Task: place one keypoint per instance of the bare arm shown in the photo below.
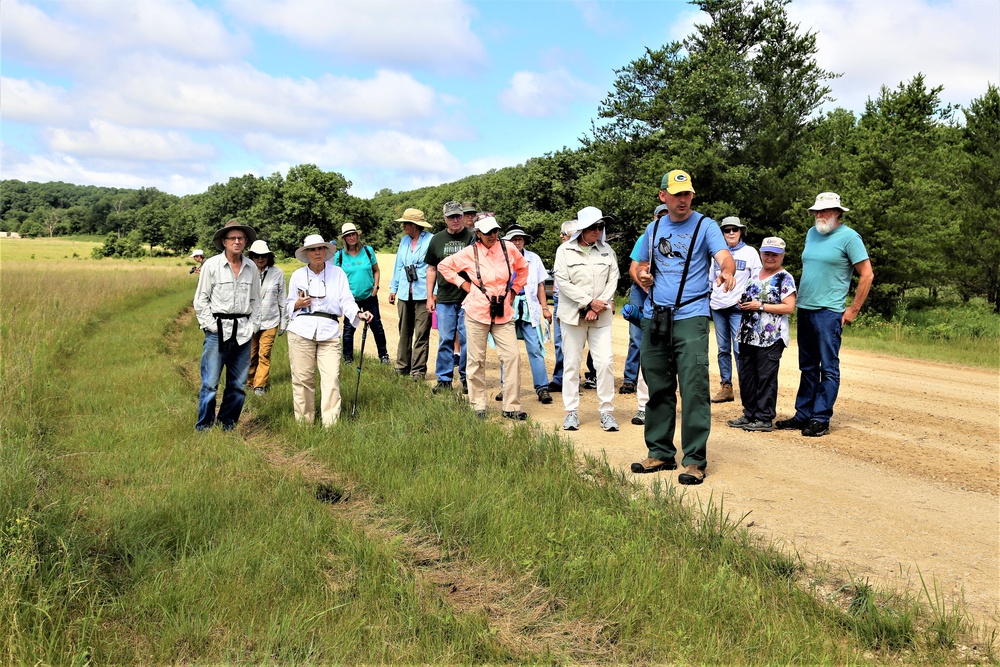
(865, 277)
(432, 275)
(727, 270)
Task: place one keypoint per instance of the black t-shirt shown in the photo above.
(444, 244)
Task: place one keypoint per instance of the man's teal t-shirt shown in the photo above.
(827, 266)
(359, 269)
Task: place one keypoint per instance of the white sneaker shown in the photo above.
(639, 418)
(608, 422)
(572, 421)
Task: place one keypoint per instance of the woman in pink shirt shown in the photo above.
(491, 272)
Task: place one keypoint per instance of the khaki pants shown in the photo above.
(260, 357)
(598, 339)
(304, 357)
(510, 360)
(414, 337)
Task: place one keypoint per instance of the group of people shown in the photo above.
(482, 288)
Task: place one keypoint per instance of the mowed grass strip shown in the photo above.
(143, 541)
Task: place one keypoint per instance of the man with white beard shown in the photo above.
(833, 252)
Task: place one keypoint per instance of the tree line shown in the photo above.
(735, 104)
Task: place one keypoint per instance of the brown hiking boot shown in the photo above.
(653, 465)
(725, 393)
(692, 475)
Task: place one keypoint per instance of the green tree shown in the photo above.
(976, 248)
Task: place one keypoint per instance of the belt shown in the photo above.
(326, 315)
(218, 325)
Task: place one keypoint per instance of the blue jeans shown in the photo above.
(236, 359)
(536, 356)
(378, 331)
(819, 364)
(636, 297)
(727, 337)
(450, 326)
(557, 370)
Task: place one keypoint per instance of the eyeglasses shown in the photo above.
(317, 285)
(241, 239)
(730, 230)
(598, 227)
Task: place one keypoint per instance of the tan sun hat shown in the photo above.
(415, 216)
(348, 228)
(230, 226)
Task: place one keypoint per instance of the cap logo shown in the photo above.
(680, 178)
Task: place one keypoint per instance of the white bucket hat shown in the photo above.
(197, 252)
(259, 248)
(314, 241)
(585, 217)
(825, 200)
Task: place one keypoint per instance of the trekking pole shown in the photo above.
(361, 360)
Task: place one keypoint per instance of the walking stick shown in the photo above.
(361, 360)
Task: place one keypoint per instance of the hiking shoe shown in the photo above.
(608, 422)
(418, 377)
(639, 418)
(555, 387)
(764, 426)
(481, 414)
(515, 414)
(442, 385)
(465, 386)
(499, 395)
(739, 422)
(589, 383)
(653, 465)
(692, 475)
(384, 359)
(572, 421)
(544, 397)
(259, 391)
(348, 359)
(628, 387)
(792, 424)
(725, 394)
(815, 429)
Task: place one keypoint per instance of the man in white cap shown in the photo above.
(833, 252)
(673, 269)
(198, 256)
(228, 306)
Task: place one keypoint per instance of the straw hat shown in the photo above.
(415, 216)
(314, 241)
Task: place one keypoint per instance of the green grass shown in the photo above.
(414, 533)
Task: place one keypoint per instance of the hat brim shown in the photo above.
(771, 248)
(581, 225)
(300, 254)
(814, 207)
(678, 189)
(513, 235)
(249, 232)
(419, 223)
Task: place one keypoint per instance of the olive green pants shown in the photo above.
(665, 364)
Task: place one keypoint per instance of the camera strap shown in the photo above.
(479, 277)
(687, 265)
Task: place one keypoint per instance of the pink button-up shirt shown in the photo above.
(493, 269)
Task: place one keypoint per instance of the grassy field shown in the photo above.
(414, 533)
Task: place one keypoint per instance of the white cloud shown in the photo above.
(34, 102)
(398, 33)
(87, 37)
(105, 140)
(388, 150)
(542, 94)
(953, 43)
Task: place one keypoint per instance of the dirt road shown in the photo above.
(906, 482)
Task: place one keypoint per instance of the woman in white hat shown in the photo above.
(198, 255)
(359, 263)
(587, 272)
(491, 272)
(272, 315)
(318, 296)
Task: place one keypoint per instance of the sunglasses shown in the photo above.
(598, 227)
(730, 230)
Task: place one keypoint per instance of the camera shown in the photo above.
(632, 313)
(411, 272)
(663, 322)
(193, 269)
(496, 306)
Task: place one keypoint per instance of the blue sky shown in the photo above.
(178, 95)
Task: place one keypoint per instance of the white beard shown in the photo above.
(824, 227)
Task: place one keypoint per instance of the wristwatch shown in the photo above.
(761, 309)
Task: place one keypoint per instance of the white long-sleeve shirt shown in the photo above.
(219, 291)
(337, 301)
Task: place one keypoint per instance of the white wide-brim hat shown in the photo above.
(314, 241)
(197, 252)
(585, 217)
(259, 247)
(825, 200)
